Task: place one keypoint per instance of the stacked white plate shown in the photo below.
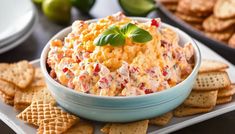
(17, 21)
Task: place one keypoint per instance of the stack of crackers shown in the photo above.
(23, 86)
(221, 24)
(171, 5)
(216, 18)
(50, 119)
(194, 12)
(212, 87)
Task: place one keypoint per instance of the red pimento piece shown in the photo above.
(97, 68)
(148, 91)
(142, 86)
(103, 80)
(164, 73)
(65, 69)
(154, 23)
(122, 86)
(78, 59)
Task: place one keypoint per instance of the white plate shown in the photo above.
(8, 114)
(15, 17)
(26, 33)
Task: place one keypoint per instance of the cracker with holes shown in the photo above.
(183, 111)
(81, 127)
(162, 120)
(6, 99)
(212, 65)
(211, 81)
(214, 24)
(24, 98)
(224, 9)
(7, 88)
(229, 91)
(201, 99)
(139, 127)
(223, 100)
(21, 74)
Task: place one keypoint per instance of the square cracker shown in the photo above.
(39, 111)
(212, 65)
(25, 98)
(201, 99)
(4, 66)
(20, 73)
(38, 79)
(183, 111)
(162, 120)
(211, 81)
(81, 127)
(8, 88)
(6, 99)
(223, 100)
(229, 91)
(54, 126)
(139, 127)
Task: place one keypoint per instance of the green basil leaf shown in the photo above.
(135, 33)
(140, 36)
(112, 36)
(128, 29)
(116, 39)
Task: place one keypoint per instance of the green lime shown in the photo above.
(83, 5)
(57, 10)
(39, 2)
(137, 7)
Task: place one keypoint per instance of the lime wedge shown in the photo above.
(137, 7)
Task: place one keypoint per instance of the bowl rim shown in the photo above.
(45, 51)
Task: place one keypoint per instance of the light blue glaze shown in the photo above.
(121, 109)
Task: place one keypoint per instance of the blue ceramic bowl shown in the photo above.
(121, 109)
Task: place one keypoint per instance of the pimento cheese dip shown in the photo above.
(128, 70)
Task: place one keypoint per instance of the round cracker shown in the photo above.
(214, 24)
(197, 26)
(188, 18)
(221, 36)
(197, 6)
(225, 9)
